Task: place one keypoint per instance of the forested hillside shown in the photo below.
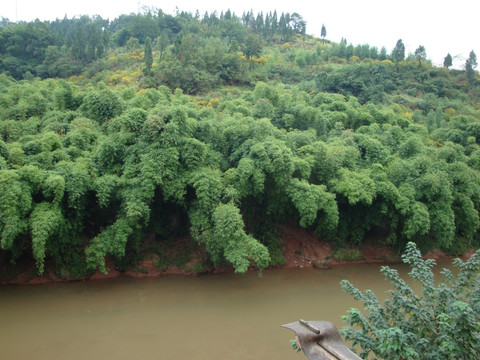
(220, 128)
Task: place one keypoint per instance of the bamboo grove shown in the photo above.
(230, 129)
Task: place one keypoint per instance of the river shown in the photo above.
(223, 316)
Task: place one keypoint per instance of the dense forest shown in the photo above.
(220, 128)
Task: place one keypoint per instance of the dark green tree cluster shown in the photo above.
(345, 51)
(271, 26)
(52, 49)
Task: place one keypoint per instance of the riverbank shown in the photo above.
(301, 249)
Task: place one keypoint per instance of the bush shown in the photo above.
(442, 322)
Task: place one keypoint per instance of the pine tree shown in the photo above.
(148, 56)
(470, 66)
(447, 62)
(162, 43)
(79, 45)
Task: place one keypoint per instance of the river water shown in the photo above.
(210, 317)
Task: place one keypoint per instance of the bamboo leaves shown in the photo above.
(309, 199)
(110, 162)
(45, 220)
(356, 187)
(230, 240)
(15, 204)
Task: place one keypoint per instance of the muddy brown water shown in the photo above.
(210, 317)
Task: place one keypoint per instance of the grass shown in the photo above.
(143, 270)
(163, 263)
(348, 254)
(198, 267)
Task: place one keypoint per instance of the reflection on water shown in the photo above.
(210, 317)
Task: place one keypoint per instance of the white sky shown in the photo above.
(442, 26)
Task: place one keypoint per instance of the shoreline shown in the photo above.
(156, 272)
(301, 249)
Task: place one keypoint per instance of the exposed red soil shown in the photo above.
(301, 249)
(301, 246)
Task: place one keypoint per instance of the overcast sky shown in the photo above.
(441, 26)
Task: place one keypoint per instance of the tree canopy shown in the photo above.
(220, 129)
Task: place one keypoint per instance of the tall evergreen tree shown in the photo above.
(398, 52)
(470, 66)
(282, 26)
(259, 23)
(383, 53)
(79, 45)
(323, 33)
(266, 28)
(93, 42)
(274, 22)
(148, 56)
(448, 61)
(162, 43)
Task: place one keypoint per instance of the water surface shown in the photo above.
(221, 317)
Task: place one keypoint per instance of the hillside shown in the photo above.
(122, 138)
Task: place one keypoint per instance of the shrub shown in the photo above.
(441, 322)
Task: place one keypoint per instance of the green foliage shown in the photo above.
(420, 54)
(101, 105)
(45, 221)
(398, 53)
(148, 56)
(356, 187)
(448, 61)
(348, 254)
(111, 241)
(295, 346)
(173, 123)
(54, 188)
(470, 65)
(323, 32)
(309, 199)
(230, 242)
(15, 204)
(441, 321)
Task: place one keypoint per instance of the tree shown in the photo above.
(94, 40)
(230, 242)
(441, 322)
(298, 25)
(323, 33)
(470, 66)
(448, 61)
(383, 53)
(79, 45)
(101, 105)
(162, 44)
(420, 54)
(253, 46)
(398, 52)
(148, 56)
